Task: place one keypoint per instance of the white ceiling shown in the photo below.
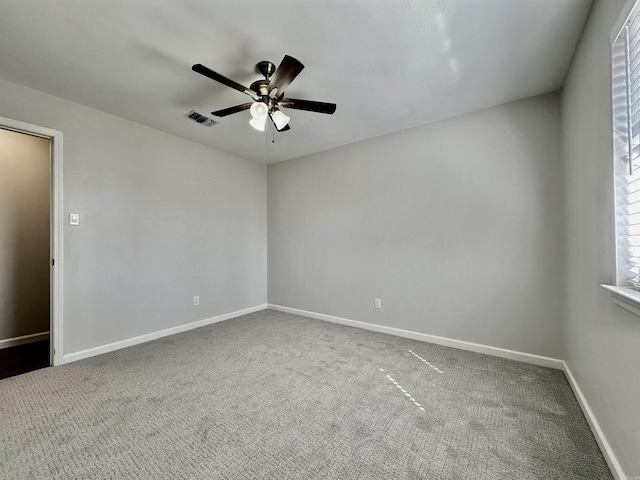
(389, 65)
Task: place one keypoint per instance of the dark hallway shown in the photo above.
(24, 358)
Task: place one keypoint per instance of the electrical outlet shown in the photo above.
(196, 300)
(377, 303)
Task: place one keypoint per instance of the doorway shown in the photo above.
(30, 247)
(25, 206)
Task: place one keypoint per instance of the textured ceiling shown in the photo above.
(389, 65)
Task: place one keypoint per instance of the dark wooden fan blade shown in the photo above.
(207, 72)
(288, 69)
(311, 106)
(228, 111)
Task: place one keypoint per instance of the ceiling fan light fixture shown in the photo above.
(280, 119)
(258, 123)
(259, 110)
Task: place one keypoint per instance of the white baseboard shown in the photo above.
(607, 452)
(34, 337)
(448, 342)
(91, 352)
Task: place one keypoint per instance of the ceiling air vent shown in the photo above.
(201, 119)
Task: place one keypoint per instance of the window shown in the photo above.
(625, 64)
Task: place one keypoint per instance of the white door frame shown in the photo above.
(57, 216)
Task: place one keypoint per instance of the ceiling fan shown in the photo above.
(268, 94)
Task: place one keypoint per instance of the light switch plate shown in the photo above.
(74, 219)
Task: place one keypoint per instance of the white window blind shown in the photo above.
(626, 123)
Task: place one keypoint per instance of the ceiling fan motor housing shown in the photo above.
(260, 87)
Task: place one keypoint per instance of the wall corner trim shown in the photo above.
(424, 337)
(147, 337)
(605, 448)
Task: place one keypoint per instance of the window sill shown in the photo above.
(625, 297)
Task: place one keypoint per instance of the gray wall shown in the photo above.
(24, 234)
(162, 219)
(455, 225)
(602, 340)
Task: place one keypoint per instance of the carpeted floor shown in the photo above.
(277, 396)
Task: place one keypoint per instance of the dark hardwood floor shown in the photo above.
(24, 358)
